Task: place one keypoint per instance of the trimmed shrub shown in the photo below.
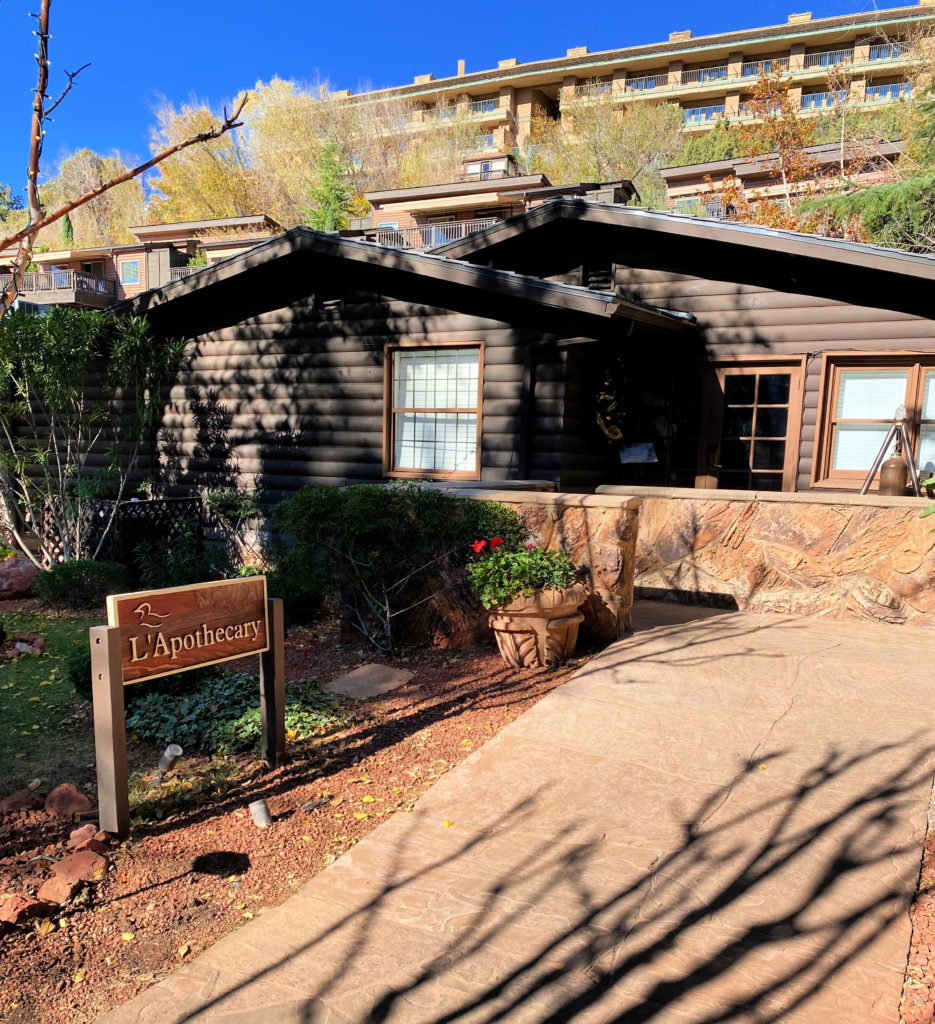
(382, 549)
(81, 584)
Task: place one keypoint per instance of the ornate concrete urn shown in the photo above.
(541, 630)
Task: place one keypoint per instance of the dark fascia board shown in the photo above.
(455, 188)
(826, 153)
(519, 288)
(793, 243)
(681, 49)
(179, 227)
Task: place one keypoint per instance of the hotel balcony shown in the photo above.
(65, 288)
(427, 236)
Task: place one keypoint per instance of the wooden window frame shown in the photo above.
(915, 363)
(389, 410)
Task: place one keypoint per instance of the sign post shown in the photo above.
(155, 633)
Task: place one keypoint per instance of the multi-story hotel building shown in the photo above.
(706, 76)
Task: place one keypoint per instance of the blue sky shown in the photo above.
(210, 50)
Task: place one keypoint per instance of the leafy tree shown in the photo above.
(9, 202)
(68, 232)
(722, 142)
(333, 193)
(597, 140)
(80, 392)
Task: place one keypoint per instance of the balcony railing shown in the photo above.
(829, 58)
(483, 106)
(699, 115)
(888, 51)
(484, 175)
(593, 90)
(177, 273)
(751, 68)
(645, 82)
(698, 76)
(427, 236)
(886, 93)
(63, 281)
(823, 100)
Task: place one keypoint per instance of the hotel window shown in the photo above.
(434, 411)
(129, 271)
(861, 396)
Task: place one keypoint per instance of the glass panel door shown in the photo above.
(753, 428)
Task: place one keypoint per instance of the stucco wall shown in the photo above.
(834, 555)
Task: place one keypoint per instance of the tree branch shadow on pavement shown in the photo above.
(755, 909)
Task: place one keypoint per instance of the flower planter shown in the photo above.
(541, 630)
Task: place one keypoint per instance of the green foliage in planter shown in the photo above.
(381, 549)
(504, 575)
(80, 584)
(221, 715)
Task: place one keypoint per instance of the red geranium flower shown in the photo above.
(495, 542)
(479, 546)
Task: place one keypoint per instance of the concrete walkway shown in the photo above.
(714, 820)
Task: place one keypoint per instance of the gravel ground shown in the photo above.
(180, 884)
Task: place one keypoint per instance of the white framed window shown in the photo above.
(129, 271)
(433, 412)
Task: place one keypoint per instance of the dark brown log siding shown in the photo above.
(743, 320)
(295, 396)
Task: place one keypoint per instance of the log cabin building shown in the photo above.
(578, 343)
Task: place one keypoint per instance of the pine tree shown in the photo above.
(333, 194)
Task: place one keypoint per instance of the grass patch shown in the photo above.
(35, 701)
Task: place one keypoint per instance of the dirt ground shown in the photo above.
(178, 885)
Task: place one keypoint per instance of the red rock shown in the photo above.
(66, 800)
(21, 800)
(86, 866)
(58, 889)
(79, 835)
(18, 909)
(17, 576)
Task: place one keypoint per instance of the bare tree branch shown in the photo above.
(37, 219)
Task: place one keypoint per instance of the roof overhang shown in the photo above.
(789, 261)
(286, 269)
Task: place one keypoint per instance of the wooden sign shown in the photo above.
(167, 631)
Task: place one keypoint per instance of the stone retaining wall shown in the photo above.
(835, 555)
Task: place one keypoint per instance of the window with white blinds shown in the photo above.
(861, 403)
(435, 409)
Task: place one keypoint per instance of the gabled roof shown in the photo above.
(574, 230)
(301, 262)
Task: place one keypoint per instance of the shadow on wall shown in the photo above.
(753, 902)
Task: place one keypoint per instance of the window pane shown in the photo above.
(926, 457)
(735, 454)
(870, 395)
(856, 445)
(733, 481)
(740, 389)
(437, 378)
(436, 441)
(771, 422)
(928, 399)
(738, 422)
(769, 454)
(767, 481)
(774, 389)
